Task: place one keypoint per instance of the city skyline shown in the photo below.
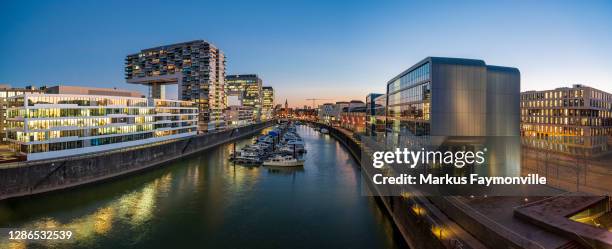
(344, 53)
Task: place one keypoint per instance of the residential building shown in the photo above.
(354, 119)
(336, 114)
(6, 91)
(198, 67)
(267, 111)
(248, 88)
(305, 113)
(41, 126)
(573, 120)
(453, 97)
(80, 90)
(239, 116)
(326, 112)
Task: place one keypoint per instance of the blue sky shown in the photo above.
(338, 50)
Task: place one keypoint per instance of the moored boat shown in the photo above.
(283, 161)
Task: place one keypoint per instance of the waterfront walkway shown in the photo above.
(491, 220)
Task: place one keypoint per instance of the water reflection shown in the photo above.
(285, 171)
(134, 209)
(206, 201)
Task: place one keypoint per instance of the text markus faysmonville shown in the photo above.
(414, 157)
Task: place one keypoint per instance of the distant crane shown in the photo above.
(313, 101)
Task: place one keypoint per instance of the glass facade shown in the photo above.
(575, 121)
(5, 93)
(376, 116)
(268, 103)
(248, 88)
(409, 102)
(39, 124)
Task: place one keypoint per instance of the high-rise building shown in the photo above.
(6, 91)
(268, 103)
(248, 88)
(198, 67)
(454, 97)
(576, 120)
(41, 126)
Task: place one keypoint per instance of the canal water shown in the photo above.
(204, 201)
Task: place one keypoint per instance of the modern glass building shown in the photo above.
(41, 126)
(6, 91)
(86, 90)
(375, 114)
(198, 67)
(248, 88)
(576, 120)
(267, 111)
(454, 97)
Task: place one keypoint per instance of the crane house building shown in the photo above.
(42, 126)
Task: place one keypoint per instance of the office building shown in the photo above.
(375, 114)
(248, 88)
(6, 91)
(41, 126)
(573, 120)
(80, 90)
(239, 116)
(198, 67)
(326, 112)
(267, 107)
(454, 97)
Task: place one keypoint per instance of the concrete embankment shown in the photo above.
(34, 177)
(454, 221)
(420, 222)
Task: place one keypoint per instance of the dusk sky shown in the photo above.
(307, 49)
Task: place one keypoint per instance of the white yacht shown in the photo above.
(283, 161)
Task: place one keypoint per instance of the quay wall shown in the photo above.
(35, 177)
(419, 229)
(437, 221)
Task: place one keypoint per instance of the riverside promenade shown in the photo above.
(459, 221)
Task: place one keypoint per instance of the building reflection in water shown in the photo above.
(134, 209)
(213, 203)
